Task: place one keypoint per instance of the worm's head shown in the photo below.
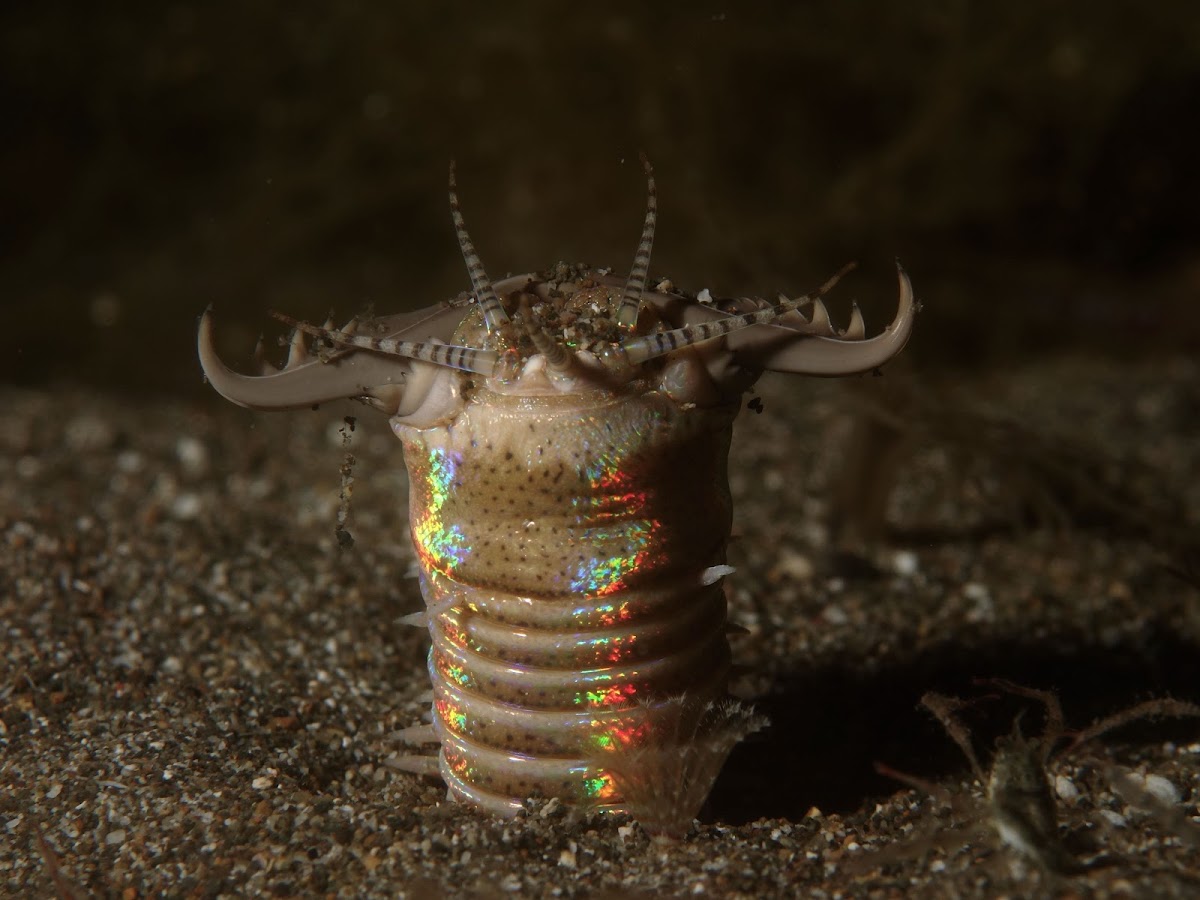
(568, 330)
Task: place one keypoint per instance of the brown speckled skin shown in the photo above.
(531, 657)
(541, 481)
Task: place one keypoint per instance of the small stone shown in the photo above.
(115, 837)
(88, 433)
(130, 462)
(192, 455)
(1158, 787)
(974, 590)
(186, 507)
(905, 563)
(835, 615)
(1065, 788)
(795, 565)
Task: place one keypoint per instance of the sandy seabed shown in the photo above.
(198, 687)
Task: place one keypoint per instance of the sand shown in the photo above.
(199, 686)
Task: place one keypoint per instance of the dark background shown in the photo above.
(1034, 165)
(169, 570)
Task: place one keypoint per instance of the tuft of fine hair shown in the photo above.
(664, 781)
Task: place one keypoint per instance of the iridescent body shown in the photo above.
(566, 436)
(563, 542)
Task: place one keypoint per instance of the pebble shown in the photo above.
(1158, 787)
(835, 615)
(192, 454)
(1065, 788)
(905, 563)
(226, 603)
(186, 507)
(794, 565)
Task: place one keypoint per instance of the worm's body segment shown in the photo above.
(563, 544)
(566, 440)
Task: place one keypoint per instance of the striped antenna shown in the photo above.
(639, 350)
(469, 359)
(493, 313)
(558, 358)
(631, 302)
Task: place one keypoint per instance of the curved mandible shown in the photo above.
(383, 381)
(778, 348)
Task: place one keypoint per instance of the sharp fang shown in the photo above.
(713, 574)
(820, 321)
(297, 351)
(418, 619)
(857, 329)
(260, 359)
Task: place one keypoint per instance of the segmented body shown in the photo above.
(563, 544)
(567, 452)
